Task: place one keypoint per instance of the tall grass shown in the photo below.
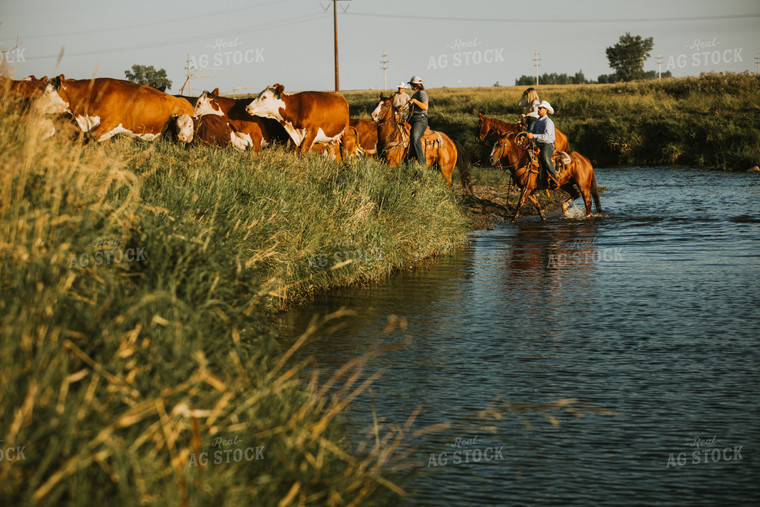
(709, 121)
(138, 284)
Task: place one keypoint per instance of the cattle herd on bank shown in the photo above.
(307, 121)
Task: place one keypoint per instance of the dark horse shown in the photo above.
(576, 177)
(393, 142)
(488, 125)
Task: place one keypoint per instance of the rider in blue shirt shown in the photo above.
(543, 135)
(418, 118)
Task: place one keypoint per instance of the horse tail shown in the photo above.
(595, 192)
(463, 165)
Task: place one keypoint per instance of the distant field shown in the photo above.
(709, 121)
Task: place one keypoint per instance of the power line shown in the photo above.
(173, 21)
(151, 45)
(558, 20)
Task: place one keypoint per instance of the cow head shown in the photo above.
(54, 98)
(185, 127)
(268, 103)
(207, 104)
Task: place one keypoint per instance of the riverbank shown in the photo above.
(706, 122)
(139, 360)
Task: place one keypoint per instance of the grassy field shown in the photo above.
(139, 283)
(709, 121)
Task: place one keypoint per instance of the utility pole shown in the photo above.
(659, 67)
(384, 61)
(757, 62)
(187, 79)
(536, 59)
(335, 35)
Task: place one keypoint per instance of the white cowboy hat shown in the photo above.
(546, 106)
(415, 80)
(401, 85)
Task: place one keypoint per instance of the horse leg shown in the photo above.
(535, 202)
(586, 192)
(521, 202)
(574, 194)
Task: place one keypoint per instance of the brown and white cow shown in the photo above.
(206, 130)
(105, 107)
(235, 110)
(308, 117)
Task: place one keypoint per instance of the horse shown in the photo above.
(393, 142)
(575, 171)
(487, 125)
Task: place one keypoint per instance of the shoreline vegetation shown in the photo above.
(139, 361)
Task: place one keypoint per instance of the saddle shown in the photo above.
(430, 139)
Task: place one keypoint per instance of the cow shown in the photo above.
(366, 130)
(105, 107)
(206, 130)
(269, 131)
(308, 117)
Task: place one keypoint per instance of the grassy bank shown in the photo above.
(139, 282)
(709, 121)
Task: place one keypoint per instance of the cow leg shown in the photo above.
(307, 142)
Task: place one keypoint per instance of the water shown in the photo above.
(649, 311)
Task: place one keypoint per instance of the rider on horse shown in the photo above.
(418, 117)
(543, 135)
(529, 101)
(400, 98)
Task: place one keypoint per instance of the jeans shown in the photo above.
(545, 159)
(530, 120)
(419, 125)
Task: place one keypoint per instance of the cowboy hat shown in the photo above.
(546, 106)
(401, 85)
(415, 80)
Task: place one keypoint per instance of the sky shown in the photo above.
(243, 46)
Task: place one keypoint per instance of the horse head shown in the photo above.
(501, 149)
(484, 126)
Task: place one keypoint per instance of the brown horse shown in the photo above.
(393, 141)
(488, 125)
(523, 165)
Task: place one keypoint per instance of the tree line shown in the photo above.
(626, 59)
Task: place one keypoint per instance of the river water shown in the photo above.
(646, 316)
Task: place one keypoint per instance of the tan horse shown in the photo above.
(393, 141)
(488, 125)
(576, 176)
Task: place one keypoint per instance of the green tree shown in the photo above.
(628, 55)
(148, 75)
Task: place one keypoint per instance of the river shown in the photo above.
(646, 317)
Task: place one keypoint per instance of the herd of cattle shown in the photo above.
(104, 107)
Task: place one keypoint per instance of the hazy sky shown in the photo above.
(247, 45)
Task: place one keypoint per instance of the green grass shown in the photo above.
(117, 375)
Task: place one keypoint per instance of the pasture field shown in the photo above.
(709, 121)
(138, 364)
